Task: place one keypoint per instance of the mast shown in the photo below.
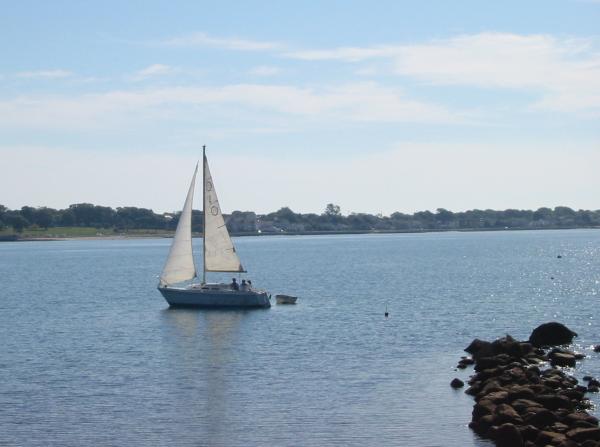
(204, 214)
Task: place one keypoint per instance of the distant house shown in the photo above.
(267, 226)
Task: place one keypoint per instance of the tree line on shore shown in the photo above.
(285, 220)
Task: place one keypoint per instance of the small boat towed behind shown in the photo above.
(286, 299)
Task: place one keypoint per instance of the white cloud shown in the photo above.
(344, 54)
(367, 102)
(44, 74)
(265, 70)
(229, 43)
(403, 178)
(563, 72)
(153, 71)
(367, 71)
(413, 177)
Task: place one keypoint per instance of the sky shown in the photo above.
(375, 106)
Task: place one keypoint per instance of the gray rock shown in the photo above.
(550, 438)
(551, 334)
(504, 413)
(480, 348)
(583, 434)
(542, 419)
(593, 382)
(554, 401)
(562, 359)
(457, 383)
(507, 435)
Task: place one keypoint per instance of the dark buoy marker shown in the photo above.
(559, 256)
(387, 314)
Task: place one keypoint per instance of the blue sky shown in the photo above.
(377, 106)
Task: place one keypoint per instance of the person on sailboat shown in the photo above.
(249, 284)
(244, 286)
(234, 285)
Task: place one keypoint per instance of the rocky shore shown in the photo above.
(523, 394)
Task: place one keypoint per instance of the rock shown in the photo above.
(505, 413)
(484, 363)
(554, 401)
(526, 348)
(507, 435)
(559, 427)
(464, 362)
(583, 434)
(551, 334)
(490, 387)
(457, 383)
(593, 382)
(482, 426)
(581, 416)
(553, 383)
(474, 389)
(550, 437)
(520, 392)
(562, 359)
(533, 374)
(573, 394)
(518, 404)
(542, 419)
(526, 406)
(597, 348)
(479, 348)
(588, 443)
(568, 443)
(515, 374)
(529, 432)
(483, 408)
(583, 424)
(593, 389)
(497, 397)
(507, 345)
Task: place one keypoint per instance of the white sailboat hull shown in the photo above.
(202, 297)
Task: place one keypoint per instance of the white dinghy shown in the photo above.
(286, 299)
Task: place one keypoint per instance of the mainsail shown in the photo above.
(180, 263)
(219, 252)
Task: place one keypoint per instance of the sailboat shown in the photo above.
(219, 255)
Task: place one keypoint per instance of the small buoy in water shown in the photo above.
(552, 277)
(386, 312)
(559, 256)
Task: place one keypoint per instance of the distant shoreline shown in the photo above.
(169, 235)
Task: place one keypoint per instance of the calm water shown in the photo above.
(91, 355)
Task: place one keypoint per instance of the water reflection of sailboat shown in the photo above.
(203, 345)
